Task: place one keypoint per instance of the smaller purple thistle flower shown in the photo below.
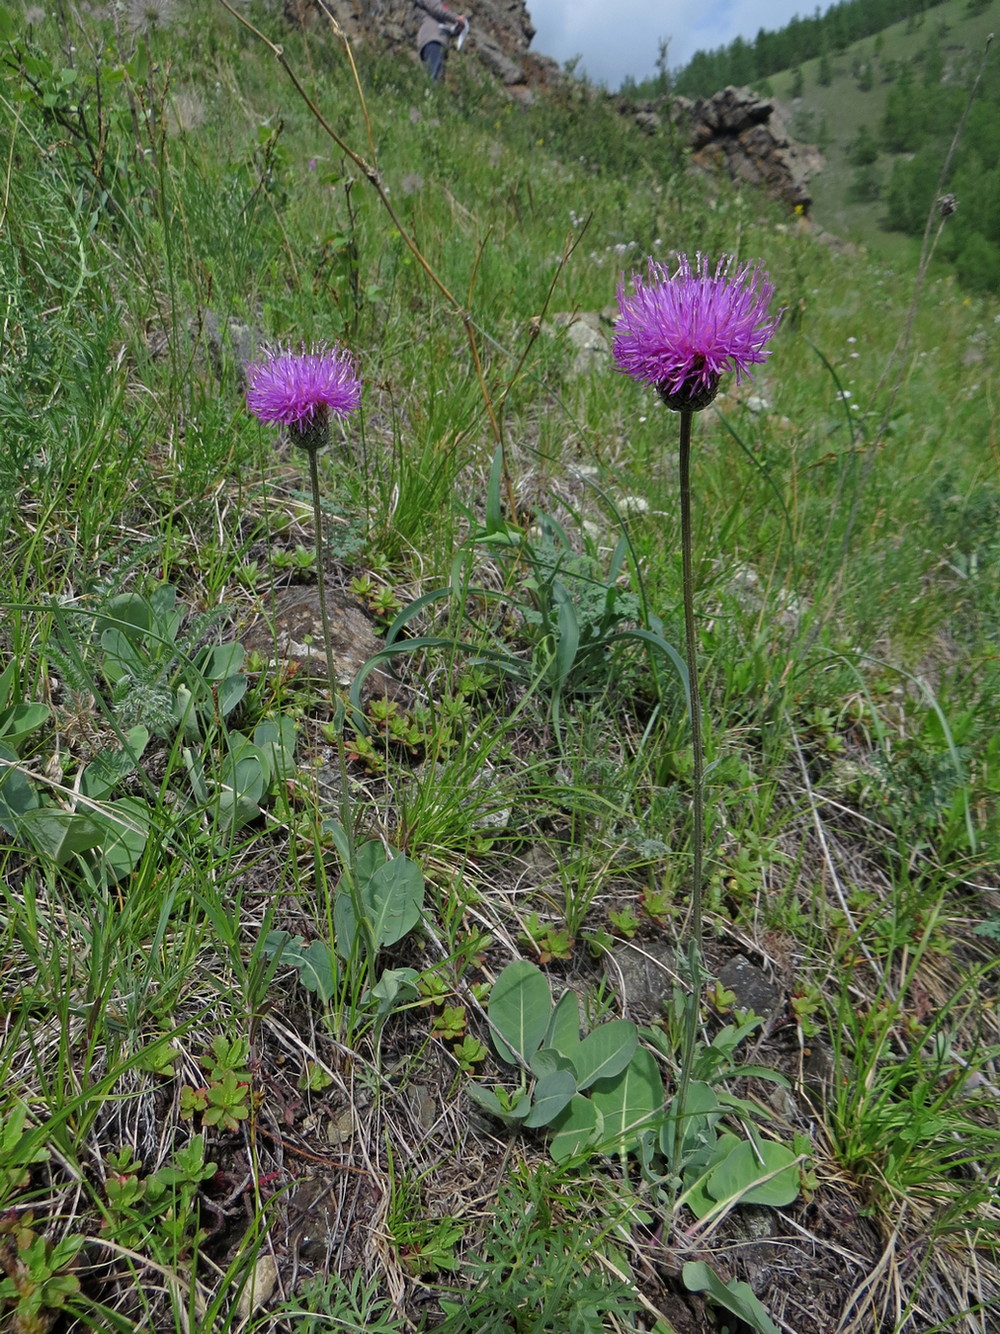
(301, 390)
(680, 333)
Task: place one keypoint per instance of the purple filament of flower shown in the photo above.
(680, 333)
(293, 387)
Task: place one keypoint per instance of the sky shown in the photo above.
(620, 37)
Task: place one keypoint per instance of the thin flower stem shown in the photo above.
(346, 815)
(331, 676)
(697, 790)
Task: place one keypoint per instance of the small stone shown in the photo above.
(295, 635)
(257, 1292)
(752, 988)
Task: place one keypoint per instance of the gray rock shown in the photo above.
(293, 633)
(751, 987)
(647, 972)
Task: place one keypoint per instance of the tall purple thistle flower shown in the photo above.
(680, 333)
(301, 390)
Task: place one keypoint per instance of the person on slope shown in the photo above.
(437, 28)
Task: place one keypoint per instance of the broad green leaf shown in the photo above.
(701, 1115)
(368, 858)
(128, 613)
(547, 1060)
(578, 1125)
(392, 896)
(230, 692)
(315, 961)
(549, 1096)
(58, 833)
(629, 1100)
(277, 738)
(8, 677)
(395, 896)
(699, 1167)
(563, 1031)
(735, 1297)
(489, 1102)
(121, 656)
(221, 661)
(605, 1052)
(125, 827)
(17, 796)
(568, 635)
(106, 770)
(519, 1007)
(743, 1176)
(20, 720)
(243, 784)
(395, 988)
(334, 830)
(162, 604)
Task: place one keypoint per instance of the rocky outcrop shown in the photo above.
(745, 135)
(735, 131)
(500, 33)
(741, 133)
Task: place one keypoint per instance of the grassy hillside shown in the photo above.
(860, 79)
(348, 979)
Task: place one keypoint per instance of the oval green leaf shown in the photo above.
(519, 1008)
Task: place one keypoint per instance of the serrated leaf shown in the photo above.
(605, 1052)
(519, 1007)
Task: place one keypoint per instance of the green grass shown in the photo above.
(169, 810)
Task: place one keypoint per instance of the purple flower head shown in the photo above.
(301, 389)
(680, 333)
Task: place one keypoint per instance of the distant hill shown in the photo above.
(829, 33)
(883, 108)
